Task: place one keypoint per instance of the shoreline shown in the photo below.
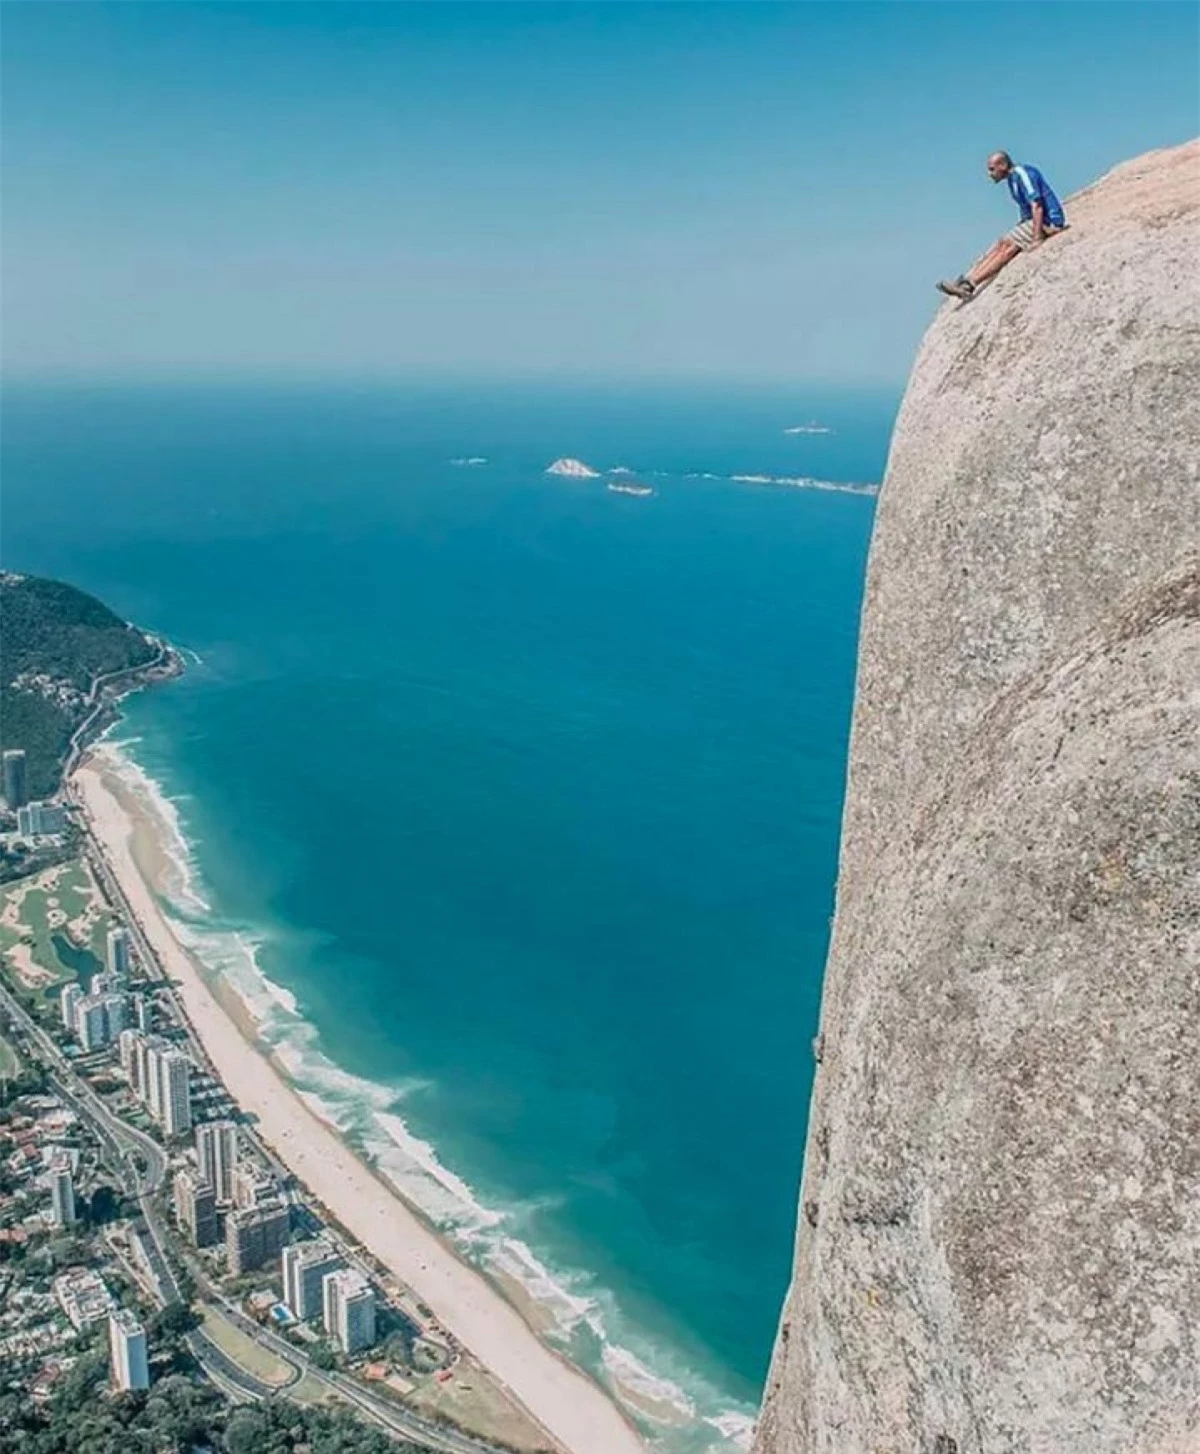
(557, 1395)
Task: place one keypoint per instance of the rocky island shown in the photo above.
(573, 469)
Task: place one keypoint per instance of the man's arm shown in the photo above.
(1038, 218)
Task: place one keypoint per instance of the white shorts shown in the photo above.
(1022, 234)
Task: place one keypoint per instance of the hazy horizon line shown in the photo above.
(384, 378)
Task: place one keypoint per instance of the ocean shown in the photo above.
(510, 803)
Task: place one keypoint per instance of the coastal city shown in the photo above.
(172, 1203)
(599, 750)
(141, 1215)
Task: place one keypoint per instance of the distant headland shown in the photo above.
(67, 660)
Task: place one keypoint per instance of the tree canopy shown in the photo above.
(52, 630)
(177, 1415)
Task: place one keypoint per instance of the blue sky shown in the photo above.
(738, 191)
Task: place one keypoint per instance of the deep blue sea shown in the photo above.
(511, 803)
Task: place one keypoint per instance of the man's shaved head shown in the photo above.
(999, 164)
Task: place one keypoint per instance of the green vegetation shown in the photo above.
(30, 1080)
(244, 1351)
(64, 639)
(45, 908)
(19, 860)
(309, 1391)
(10, 1061)
(177, 1413)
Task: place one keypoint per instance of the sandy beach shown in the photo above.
(561, 1398)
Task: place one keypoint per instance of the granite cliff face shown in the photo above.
(999, 1238)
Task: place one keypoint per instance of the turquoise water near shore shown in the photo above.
(510, 803)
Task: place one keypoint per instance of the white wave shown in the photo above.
(421, 1155)
(182, 885)
(805, 482)
(368, 1112)
(517, 1260)
(627, 1369)
(795, 482)
(282, 996)
(739, 1428)
(233, 954)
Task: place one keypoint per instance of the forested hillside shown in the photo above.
(54, 642)
(178, 1413)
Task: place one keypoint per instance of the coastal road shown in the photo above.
(570, 1408)
(125, 1144)
(234, 1381)
(113, 1131)
(380, 1410)
(122, 1143)
(96, 701)
(128, 1149)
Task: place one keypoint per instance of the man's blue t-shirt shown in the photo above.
(1028, 186)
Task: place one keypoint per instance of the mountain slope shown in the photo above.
(999, 1238)
(55, 641)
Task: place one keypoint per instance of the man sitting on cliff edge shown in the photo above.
(1041, 217)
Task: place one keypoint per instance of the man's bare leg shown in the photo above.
(996, 258)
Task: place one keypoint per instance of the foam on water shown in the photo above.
(739, 1428)
(585, 1318)
(181, 886)
(628, 1371)
(794, 482)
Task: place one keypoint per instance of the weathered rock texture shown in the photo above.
(999, 1239)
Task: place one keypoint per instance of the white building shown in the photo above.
(145, 1069)
(127, 1048)
(128, 1351)
(68, 1002)
(117, 946)
(217, 1156)
(253, 1186)
(62, 1192)
(83, 1297)
(349, 1308)
(143, 1013)
(91, 1022)
(155, 1051)
(304, 1267)
(196, 1207)
(39, 820)
(175, 1092)
(15, 793)
(164, 1083)
(116, 1011)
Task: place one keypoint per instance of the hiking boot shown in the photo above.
(959, 288)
